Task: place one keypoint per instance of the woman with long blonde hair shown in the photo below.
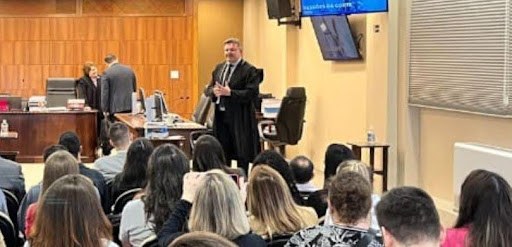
(273, 211)
(70, 214)
(215, 205)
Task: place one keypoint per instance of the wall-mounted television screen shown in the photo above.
(342, 7)
(335, 37)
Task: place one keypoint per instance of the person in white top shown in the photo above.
(69, 214)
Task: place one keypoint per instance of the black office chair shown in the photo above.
(123, 199)
(279, 240)
(287, 128)
(203, 115)
(9, 231)
(12, 206)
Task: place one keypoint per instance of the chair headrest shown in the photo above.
(260, 75)
(296, 92)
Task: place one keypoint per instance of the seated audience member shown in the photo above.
(278, 163)
(201, 239)
(485, 212)
(11, 178)
(71, 141)
(3, 204)
(303, 170)
(408, 217)
(272, 209)
(143, 218)
(35, 191)
(208, 154)
(135, 168)
(365, 170)
(215, 205)
(120, 139)
(350, 201)
(59, 164)
(2, 243)
(70, 214)
(334, 156)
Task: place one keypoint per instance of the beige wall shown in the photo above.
(217, 21)
(344, 98)
(427, 136)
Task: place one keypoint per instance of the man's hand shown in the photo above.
(220, 90)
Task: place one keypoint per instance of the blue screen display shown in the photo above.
(342, 7)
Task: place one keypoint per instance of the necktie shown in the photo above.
(227, 76)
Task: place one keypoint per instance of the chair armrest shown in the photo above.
(261, 125)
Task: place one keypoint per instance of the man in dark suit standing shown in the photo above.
(117, 84)
(234, 88)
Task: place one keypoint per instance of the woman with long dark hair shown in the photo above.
(485, 212)
(144, 217)
(208, 154)
(134, 169)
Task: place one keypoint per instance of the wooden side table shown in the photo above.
(358, 146)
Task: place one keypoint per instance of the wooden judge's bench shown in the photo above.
(38, 130)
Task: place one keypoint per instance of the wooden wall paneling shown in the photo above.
(9, 77)
(157, 28)
(39, 29)
(58, 52)
(181, 93)
(90, 52)
(8, 28)
(108, 47)
(37, 52)
(176, 28)
(85, 28)
(62, 29)
(63, 71)
(109, 28)
(20, 52)
(132, 52)
(6, 52)
(133, 28)
(157, 53)
(34, 78)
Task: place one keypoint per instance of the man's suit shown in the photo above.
(117, 84)
(236, 126)
(11, 177)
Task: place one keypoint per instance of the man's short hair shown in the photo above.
(409, 215)
(350, 197)
(119, 134)
(71, 141)
(52, 149)
(109, 58)
(302, 169)
(233, 41)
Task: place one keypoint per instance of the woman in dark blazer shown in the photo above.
(88, 86)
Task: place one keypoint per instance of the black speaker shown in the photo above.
(278, 9)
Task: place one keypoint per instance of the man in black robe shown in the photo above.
(234, 88)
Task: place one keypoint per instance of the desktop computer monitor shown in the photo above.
(142, 99)
(159, 112)
(165, 109)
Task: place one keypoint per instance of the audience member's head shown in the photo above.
(270, 202)
(52, 149)
(135, 167)
(110, 58)
(59, 164)
(278, 163)
(408, 217)
(72, 143)
(350, 199)
(486, 205)
(302, 169)
(167, 166)
(208, 154)
(218, 207)
(356, 166)
(334, 156)
(201, 239)
(119, 135)
(70, 214)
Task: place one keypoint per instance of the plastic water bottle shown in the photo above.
(370, 135)
(4, 130)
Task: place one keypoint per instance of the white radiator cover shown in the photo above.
(471, 156)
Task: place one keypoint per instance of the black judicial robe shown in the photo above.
(239, 108)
